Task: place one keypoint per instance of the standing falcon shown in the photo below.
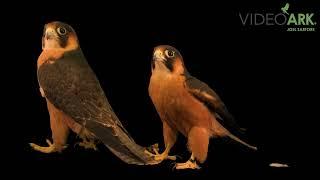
(187, 105)
(76, 101)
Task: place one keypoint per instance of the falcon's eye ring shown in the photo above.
(169, 53)
(62, 31)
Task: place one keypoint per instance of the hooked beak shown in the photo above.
(50, 38)
(50, 34)
(158, 56)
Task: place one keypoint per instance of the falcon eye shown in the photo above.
(169, 53)
(62, 31)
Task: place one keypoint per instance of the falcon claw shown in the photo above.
(88, 144)
(173, 158)
(186, 165)
(88, 140)
(51, 148)
(49, 142)
(153, 151)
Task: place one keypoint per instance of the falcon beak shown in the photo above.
(158, 56)
(50, 33)
(50, 38)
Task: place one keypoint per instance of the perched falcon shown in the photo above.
(188, 106)
(76, 101)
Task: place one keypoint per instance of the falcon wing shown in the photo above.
(207, 96)
(71, 86)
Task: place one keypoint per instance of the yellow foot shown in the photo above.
(88, 139)
(88, 144)
(159, 157)
(49, 149)
(187, 165)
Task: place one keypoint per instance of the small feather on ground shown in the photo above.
(278, 165)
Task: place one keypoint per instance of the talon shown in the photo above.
(163, 156)
(49, 149)
(153, 151)
(173, 158)
(88, 145)
(148, 152)
(88, 140)
(187, 165)
(48, 142)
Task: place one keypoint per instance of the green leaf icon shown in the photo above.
(285, 8)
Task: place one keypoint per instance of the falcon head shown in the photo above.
(58, 35)
(167, 59)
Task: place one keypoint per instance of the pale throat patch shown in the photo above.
(50, 44)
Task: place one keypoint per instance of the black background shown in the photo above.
(265, 76)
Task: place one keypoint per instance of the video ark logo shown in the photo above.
(294, 21)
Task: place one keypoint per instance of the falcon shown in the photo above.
(76, 101)
(187, 106)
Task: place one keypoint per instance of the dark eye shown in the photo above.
(62, 31)
(169, 53)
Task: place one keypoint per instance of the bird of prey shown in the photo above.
(188, 106)
(76, 101)
(285, 8)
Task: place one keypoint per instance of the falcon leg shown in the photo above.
(198, 142)
(190, 164)
(170, 137)
(60, 132)
(88, 140)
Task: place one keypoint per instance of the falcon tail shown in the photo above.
(242, 142)
(121, 144)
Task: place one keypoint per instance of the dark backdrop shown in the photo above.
(264, 75)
